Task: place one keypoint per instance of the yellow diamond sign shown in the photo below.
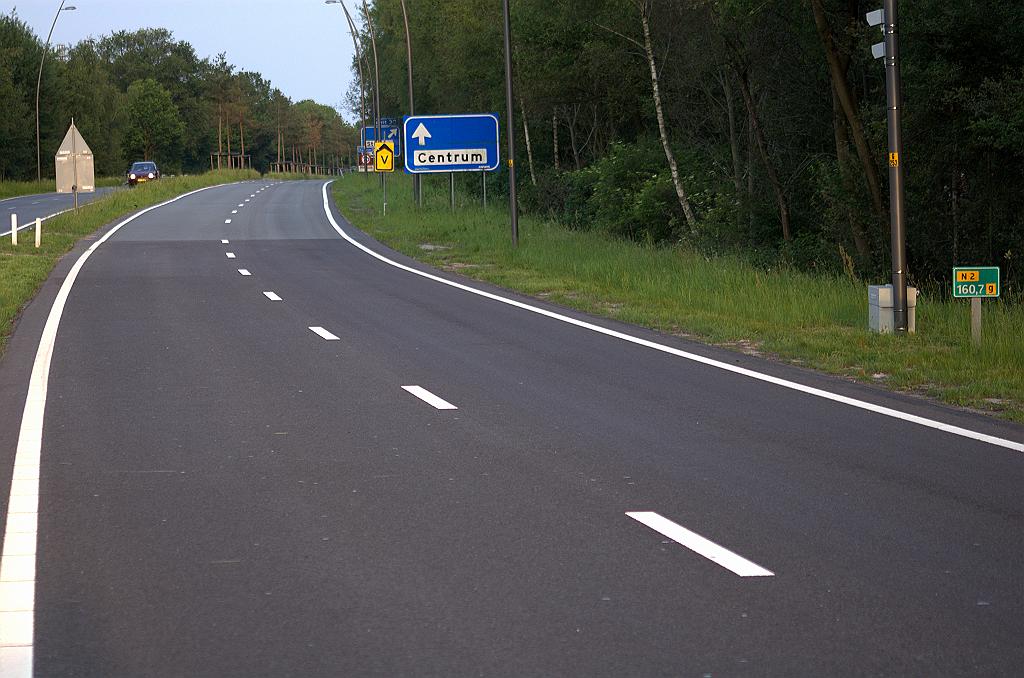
(384, 156)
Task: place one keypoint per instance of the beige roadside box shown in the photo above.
(75, 173)
(880, 313)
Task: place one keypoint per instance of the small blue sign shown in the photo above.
(451, 143)
(387, 133)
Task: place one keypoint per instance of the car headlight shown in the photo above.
(150, 175)
(131, 176)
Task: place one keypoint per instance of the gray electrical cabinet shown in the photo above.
(880, 313)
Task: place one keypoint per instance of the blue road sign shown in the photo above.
(387, 133)
(451, 143)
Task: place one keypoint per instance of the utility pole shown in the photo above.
(510, 130)
(889, 50)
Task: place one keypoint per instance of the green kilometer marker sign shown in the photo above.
(980, 282)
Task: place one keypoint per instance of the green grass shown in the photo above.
(24, 268)
(817, 322)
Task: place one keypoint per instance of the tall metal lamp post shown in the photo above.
(889, 50)
(39, 80)
(376, 84)
(359, 62)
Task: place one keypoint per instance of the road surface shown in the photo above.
(267, 452)
(28, 208)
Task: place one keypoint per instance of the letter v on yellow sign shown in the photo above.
(384, 156)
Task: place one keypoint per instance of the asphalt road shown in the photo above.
(28, 208)
(224, 491)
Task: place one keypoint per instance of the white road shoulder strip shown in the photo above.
(698, 544)
(18, 562)
(711, 362)
(429, 398)
(321, 332)
(271, 296)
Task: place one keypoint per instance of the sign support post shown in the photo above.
(74, 162)
(384, 162)
(976, 283)
(976, 320)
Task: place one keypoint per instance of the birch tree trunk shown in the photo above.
(554, 132)
(684, 201)
(529, 148)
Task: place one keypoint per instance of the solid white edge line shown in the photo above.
(700, 545)
(17, 648)
(785, 383)
(429, 398)
(324, 334)
(271, 296)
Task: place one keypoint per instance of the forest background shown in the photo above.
(766, 138)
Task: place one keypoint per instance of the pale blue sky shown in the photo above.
(296, 44)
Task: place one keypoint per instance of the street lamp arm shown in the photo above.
(39, 81)
(376, 74)
(359, 62)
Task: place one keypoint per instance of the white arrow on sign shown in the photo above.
(393, 133)
(421, 134)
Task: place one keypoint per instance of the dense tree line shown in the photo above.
(767, 135)
(144, 95)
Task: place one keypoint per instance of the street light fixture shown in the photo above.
(359, 62)
(39, 80)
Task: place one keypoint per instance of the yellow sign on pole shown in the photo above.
(384, 156)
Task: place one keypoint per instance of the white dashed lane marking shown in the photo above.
(227, 221)
(244, 271)
(429, 398)
(321, 332)
(698, 544)
(229, 255)
(224, 242)
(271, 296)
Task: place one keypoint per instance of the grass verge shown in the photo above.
(24, 268)
(817, 322)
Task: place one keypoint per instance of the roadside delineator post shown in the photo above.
(14, 229)
(39, 231)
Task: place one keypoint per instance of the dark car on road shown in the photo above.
(141, 172)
